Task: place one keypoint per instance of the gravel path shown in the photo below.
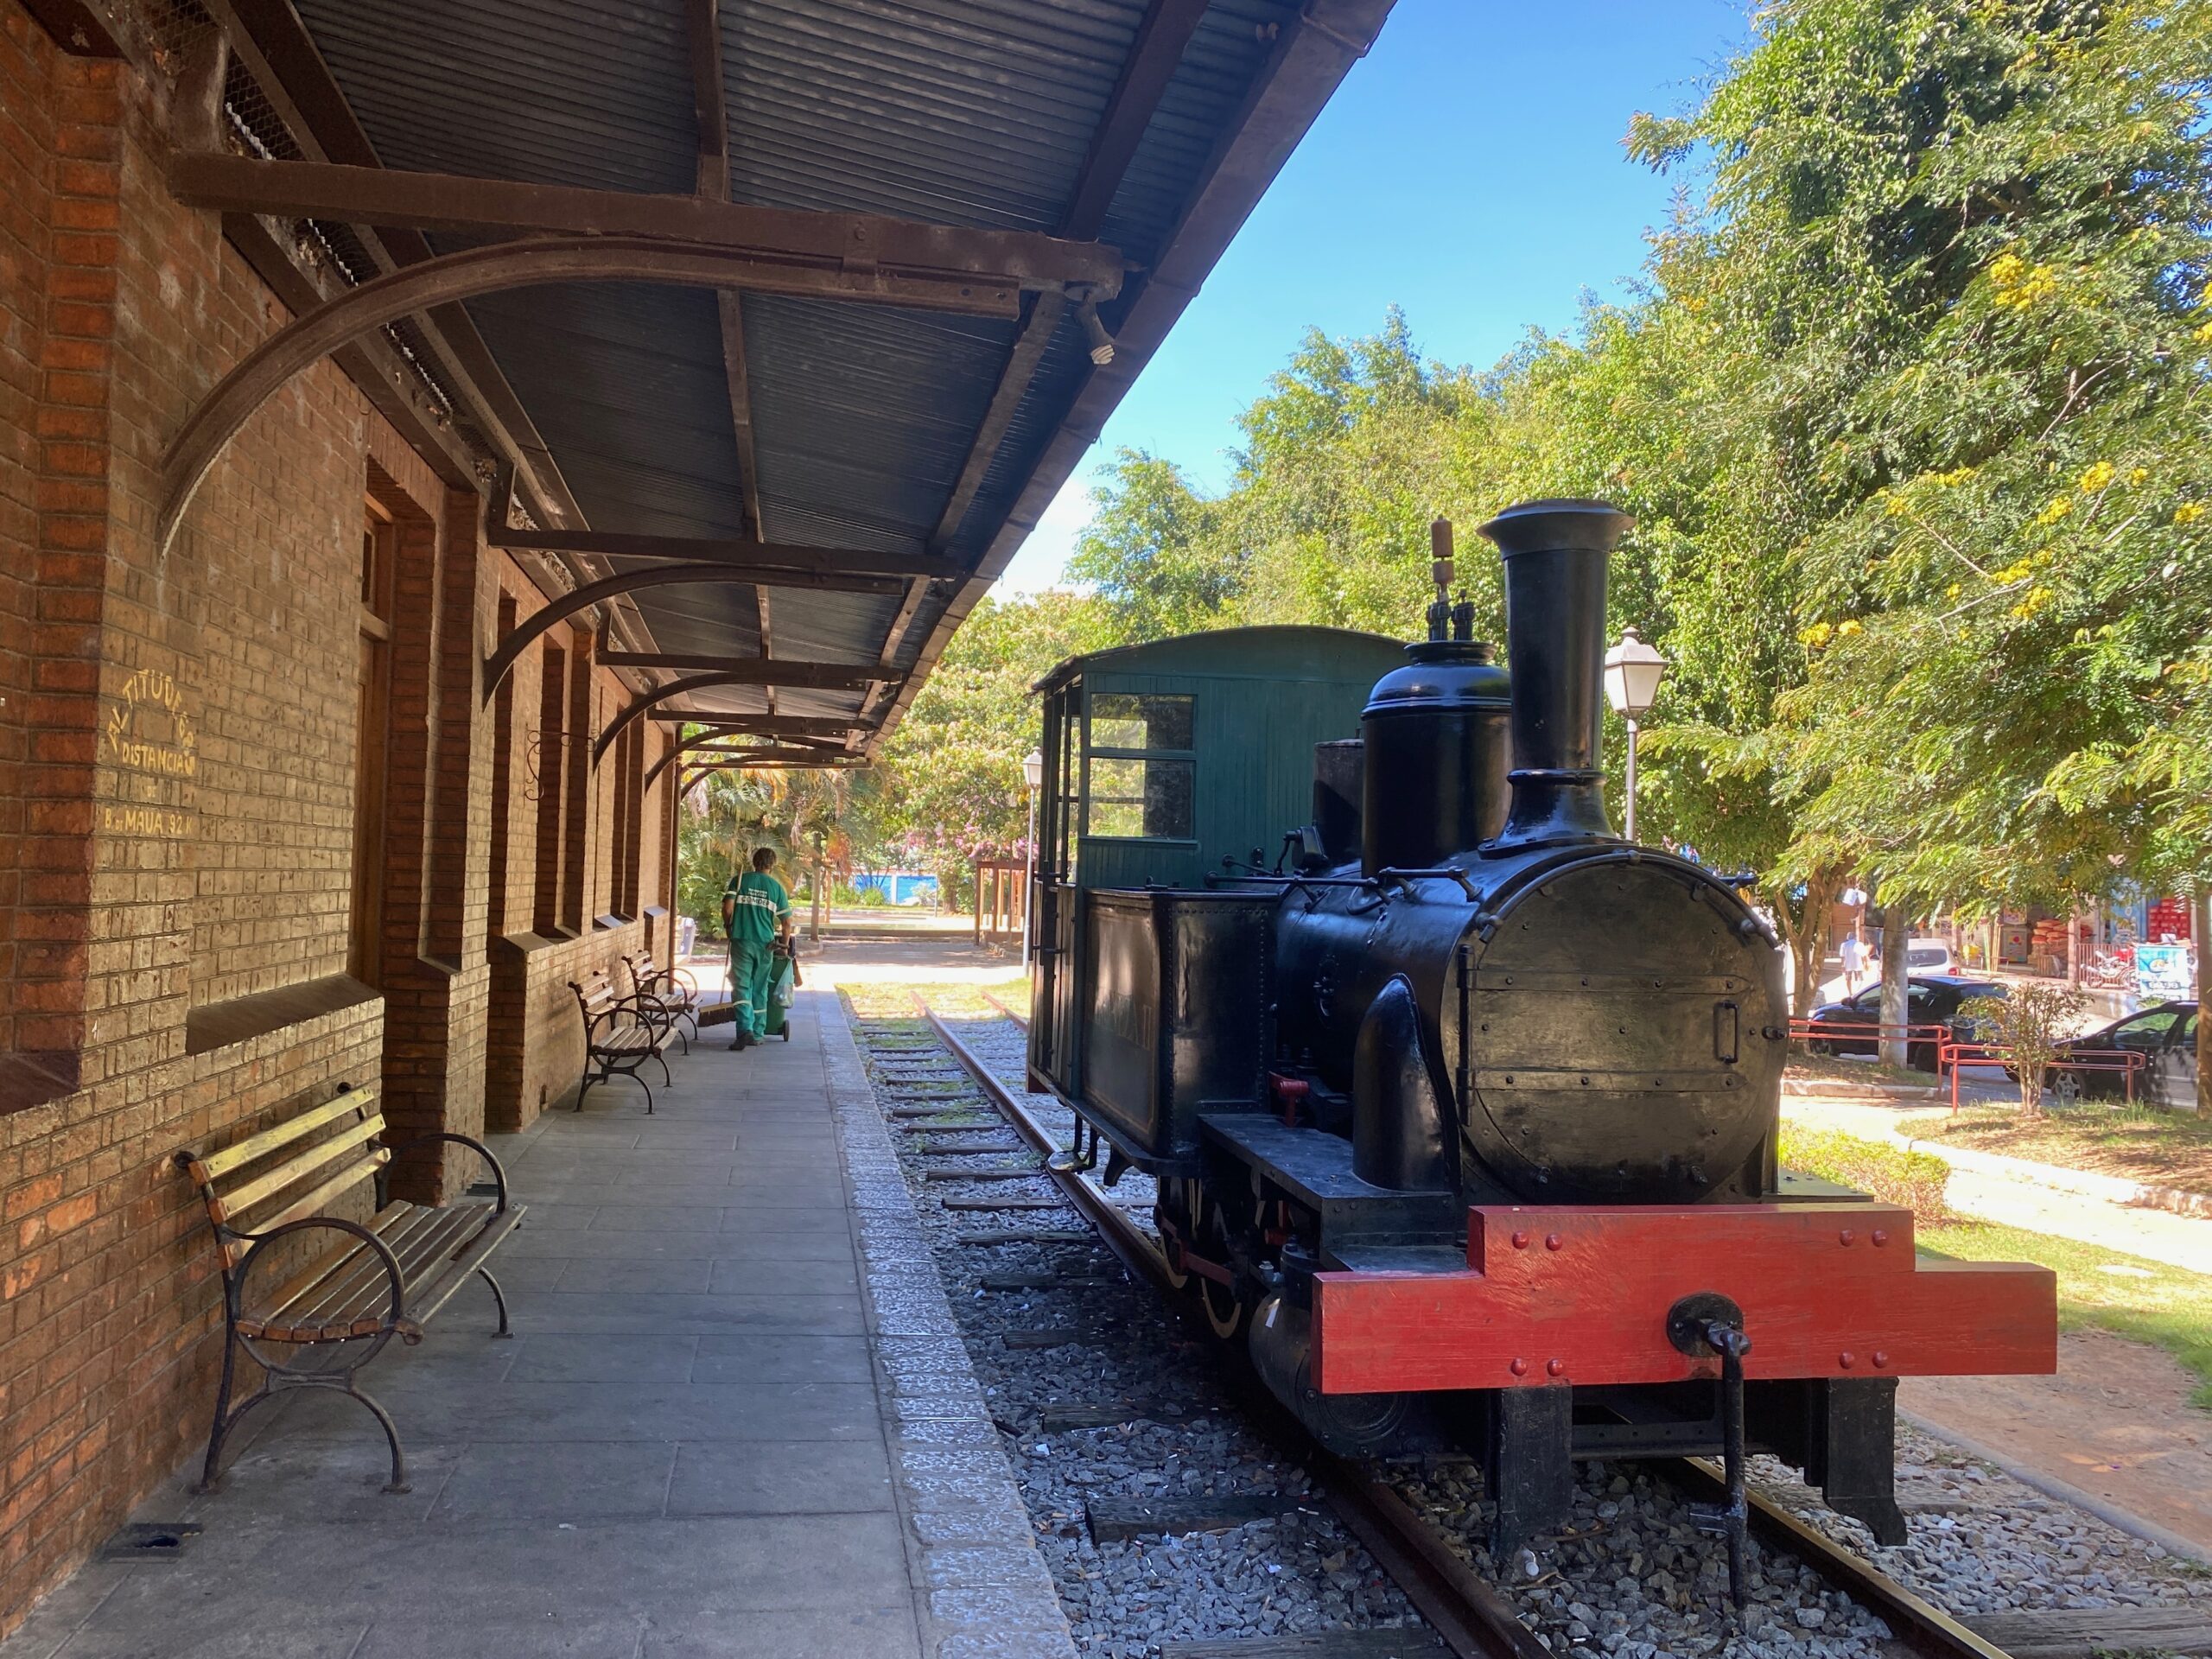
(1631, 1577)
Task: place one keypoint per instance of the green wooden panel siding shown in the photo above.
(1264, 697)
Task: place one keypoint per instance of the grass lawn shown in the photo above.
(2165, 1148)
(2145, 1301)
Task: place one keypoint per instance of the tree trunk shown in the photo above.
(1896, 936)
(1808, 937)
(2200, 926)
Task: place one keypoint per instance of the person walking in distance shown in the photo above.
(1852, 967)
(756, 910)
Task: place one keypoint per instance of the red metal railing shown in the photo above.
(1955, 1054)
(1811, 1030)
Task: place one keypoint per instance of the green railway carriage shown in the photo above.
(1160, 761)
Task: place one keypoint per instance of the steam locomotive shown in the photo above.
(1463, 1112)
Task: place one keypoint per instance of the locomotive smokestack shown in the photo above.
(1555, 555)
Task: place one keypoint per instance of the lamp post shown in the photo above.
(1632, 671)
(1033, 773)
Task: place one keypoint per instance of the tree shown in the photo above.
(2030, 1025)
(950, 772)
(1150, 552)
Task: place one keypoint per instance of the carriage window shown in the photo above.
(1142, 783)
(1150, 800)
(1121, 721)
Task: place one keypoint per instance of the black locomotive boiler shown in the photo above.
(1465, 1112)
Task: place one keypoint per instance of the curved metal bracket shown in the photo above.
(733, 724)
(707, 745)
(529, 263)
(541, 622)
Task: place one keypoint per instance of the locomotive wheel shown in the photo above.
(1172, 1210)
(1225, 1308)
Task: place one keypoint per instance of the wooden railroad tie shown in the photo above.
(2078, 1632)
(1055, 1336)
(1042, 1281)
(1007, 1204)
(934, 1149)
(1031, 1172)
(1114, 1519)
(1023, 1235)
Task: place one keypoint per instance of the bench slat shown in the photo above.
(353, 1141)
(437, 1289)
(261, 1145)
(355, 1271)
(311, 1202)
(353, 1296)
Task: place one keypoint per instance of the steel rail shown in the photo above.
(1915, 1624)
(1020, 1019)
(1471, 1616)
(1475, 1621)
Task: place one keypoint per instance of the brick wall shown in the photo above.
(178, 754)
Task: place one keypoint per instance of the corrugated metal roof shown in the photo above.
(964, 112)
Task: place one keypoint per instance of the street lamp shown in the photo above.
(1632, 671)
(1033, 773)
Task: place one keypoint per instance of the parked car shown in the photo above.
(1931, 1000)
(2167, 1038)
(1928, 957)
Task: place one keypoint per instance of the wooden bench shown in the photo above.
(674, 988)
(620, 1034)
(383, 1279)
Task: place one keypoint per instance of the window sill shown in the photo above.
(224, 1025)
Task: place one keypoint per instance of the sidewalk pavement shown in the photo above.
(736, 1421)
(1980, 1186)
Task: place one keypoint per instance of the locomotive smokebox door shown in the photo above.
(1614, 1040)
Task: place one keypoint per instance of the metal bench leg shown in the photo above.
(223, 1420)
(498, 1296)
(399, 1481)
(661, 1062)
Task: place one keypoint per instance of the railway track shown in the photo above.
(1474, 1619)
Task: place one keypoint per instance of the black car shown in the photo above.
(2164, 1035)
(1932, 1000)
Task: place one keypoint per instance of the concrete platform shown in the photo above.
(735, 1421)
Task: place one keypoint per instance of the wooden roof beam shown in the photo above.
(754, 670)
(890, 569)
(447, 201)
(711, 109)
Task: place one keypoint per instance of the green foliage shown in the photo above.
(950, 774)
(1913, 1180)
(2031, 1023)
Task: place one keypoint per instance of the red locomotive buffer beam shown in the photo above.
(1581, 1296)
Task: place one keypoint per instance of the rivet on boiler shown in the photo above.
(1519, 1368)
(1552, 1240)
(1520, 1240)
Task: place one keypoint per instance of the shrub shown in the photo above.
(1912, 1179)
(2031, 1023)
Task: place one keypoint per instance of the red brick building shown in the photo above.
(679, 365)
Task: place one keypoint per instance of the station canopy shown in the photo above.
(774, 325)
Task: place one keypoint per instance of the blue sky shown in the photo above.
(1470, 169)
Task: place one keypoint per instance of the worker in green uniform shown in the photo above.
(755, 911)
